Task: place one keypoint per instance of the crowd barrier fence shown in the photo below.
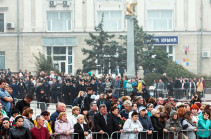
(142, 134)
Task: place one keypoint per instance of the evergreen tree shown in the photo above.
(44, 64)
(103, 51)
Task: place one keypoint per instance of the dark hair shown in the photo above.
(113, 102)
(207, 112)
(15, 111)
(29, 97)
(134, 113)
(2, 81)
(110, 91)
(187, 115)
(45, 113)
(18, 117)
(84, 109)
(5, 119)
(89, 88)
(92, 103)
(113, 108)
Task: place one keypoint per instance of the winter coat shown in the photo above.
(147, 125)
(158, 126)
(191, 134)
(62, 127)
(28, 124)
(129, 126)
(202, 125)
(146, 122)
(19, 133)
(100, 123)
(173, 123)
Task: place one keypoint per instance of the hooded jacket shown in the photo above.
(203, 127)
(173, 123)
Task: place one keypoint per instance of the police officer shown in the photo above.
(81, 86)
(68, 97)
(46, 87)
(43, 99)
(56, 91)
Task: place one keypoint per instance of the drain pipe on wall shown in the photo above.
(201, 37)
(18, 38)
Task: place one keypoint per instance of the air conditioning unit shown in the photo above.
(205, 53)
(66, 4)
(10, 25)
(52, 3)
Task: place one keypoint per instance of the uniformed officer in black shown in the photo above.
(68, 97)
(56, 92)
(46, 87)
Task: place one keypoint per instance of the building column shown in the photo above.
(191, 15)
(39, 15)
(27, 16)
(90, 15)
(78, 16)
(180, 15)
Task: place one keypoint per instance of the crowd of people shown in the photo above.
(97, 108)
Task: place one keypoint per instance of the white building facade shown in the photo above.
(58, 28)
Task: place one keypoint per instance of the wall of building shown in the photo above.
(33, 27)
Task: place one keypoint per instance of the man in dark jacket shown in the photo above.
(145, 94)
(88, 100)
(68, 97)
(146, 123)
(105, 122)
(134, 92)
(46, 87)
(177, 88)
(24, 103)
(56, 91)
(82, 132)
(170, 87)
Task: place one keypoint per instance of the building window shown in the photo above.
(62, 58)
(1, 22)
(168, 49)
(2, 60)
(59, 21)
(112, 20)
(160, 20)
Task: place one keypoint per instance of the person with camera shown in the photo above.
(195, 99)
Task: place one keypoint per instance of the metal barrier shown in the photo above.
(188, 133)
(169, 135)
(117, 134)
(97, 135)
(72, 135)
(121, 92)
